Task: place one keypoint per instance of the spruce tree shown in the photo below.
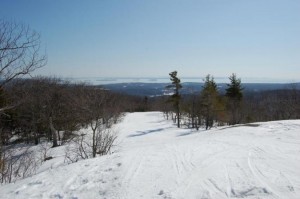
(234, 95)
(209, 101)
(175, 98)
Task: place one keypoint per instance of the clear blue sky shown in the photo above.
(114, 38)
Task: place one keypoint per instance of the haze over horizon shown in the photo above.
(130, 38)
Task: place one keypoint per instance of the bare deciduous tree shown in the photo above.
(16, 164)
(101, 109)
(19, 51)
(19, 56)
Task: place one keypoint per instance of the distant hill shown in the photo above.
(159, 89)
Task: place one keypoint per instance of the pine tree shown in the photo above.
(175, 98)
(234, 95)
(209, 101)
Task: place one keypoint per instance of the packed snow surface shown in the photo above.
(154, 159)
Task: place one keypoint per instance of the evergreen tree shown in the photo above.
(175, 98)
(234, 95)
(209, 101)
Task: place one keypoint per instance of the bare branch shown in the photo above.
(19, 51)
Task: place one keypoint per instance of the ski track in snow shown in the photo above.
(156, 160)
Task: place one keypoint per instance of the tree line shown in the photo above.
(235, 106)
(51, 110)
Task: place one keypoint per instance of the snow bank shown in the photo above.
(154, 159)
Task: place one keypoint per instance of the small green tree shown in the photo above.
(175, 98)
(234, 96)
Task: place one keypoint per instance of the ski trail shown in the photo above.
(258, 175)
(230, 190)
(156, 160)
(191, 178)
(131, 170)
(281, 186)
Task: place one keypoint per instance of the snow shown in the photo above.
(154, 159)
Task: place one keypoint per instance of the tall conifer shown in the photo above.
(234, 95)
(209, 101)
(175, 98)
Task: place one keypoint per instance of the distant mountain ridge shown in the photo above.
(159, 89)
(117, 80)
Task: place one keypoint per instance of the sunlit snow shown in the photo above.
(154, 159)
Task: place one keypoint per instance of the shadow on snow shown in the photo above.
(141, 133)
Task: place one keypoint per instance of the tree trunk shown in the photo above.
(94, 147)
(58, 135)
(36, 138)
(94, 141)
(178, 117)
(53, 131)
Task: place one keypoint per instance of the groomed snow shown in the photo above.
(154, 159)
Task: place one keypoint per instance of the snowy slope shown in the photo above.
(154, 159)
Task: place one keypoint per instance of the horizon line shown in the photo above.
(112, 80)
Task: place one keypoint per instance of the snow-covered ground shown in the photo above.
(154, 159)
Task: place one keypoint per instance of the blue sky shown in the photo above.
(150, 38)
